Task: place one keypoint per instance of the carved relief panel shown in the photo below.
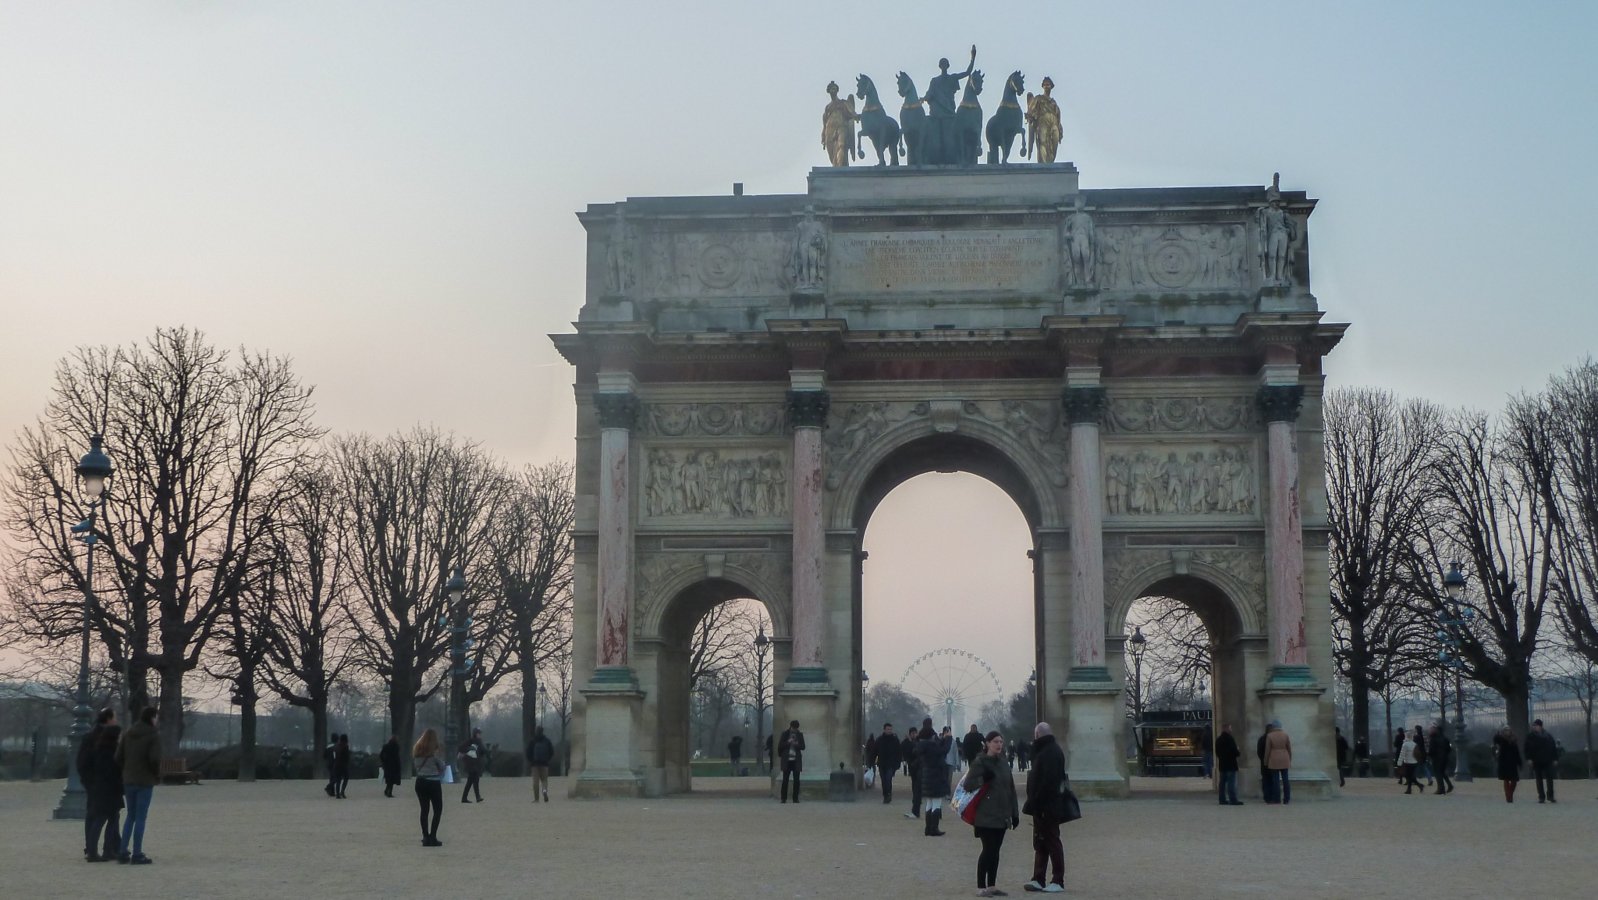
(738, 263)
(1173, 257)
(1181, 480)
(1181, 414)
(715, 482)
(1035, 425)
(715, 419)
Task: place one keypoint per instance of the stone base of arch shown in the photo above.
(815, 705)
(1094, 719)
(1297, 705)
(613, 725)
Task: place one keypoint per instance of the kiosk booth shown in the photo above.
(1175, 742)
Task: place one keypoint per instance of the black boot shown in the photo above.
(934, 823)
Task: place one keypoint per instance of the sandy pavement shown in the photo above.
(287, 840)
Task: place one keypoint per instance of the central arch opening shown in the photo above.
(945, 594)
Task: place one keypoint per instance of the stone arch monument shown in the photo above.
(1139, 369)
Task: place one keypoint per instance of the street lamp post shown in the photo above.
(94, 469)
(458, 625)
(1137, 644)
(1452, 622)
(762, 647)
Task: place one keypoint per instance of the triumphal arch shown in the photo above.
(1139, 369)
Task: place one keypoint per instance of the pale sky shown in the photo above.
(385, 192)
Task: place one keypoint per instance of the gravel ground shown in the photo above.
(287, 840)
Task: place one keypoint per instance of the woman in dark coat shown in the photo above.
(389, 758)
(341, 765)
(1508, 762)
(102, 788)
(998, 812)
(932, 754)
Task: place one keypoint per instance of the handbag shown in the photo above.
(968, 814)
(1070, 806)
(871, 776)
(449, 775)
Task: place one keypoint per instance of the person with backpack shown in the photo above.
(473, 755)
(540, 752)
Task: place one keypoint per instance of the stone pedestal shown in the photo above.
(1092, 754)
(613, 766)
(1297, 706)
(815, 706)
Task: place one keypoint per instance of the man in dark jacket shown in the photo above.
(886, 757)
(1440, 748)
(791, 750)
(1342, 757)
(473, 757)
(389, 759)
(1226, 757)
(1044, 787)
(970, 745)
(540, 752)
(1542, 753)
(908, 751)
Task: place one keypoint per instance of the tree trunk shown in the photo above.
(319, 737)
(1359, 694)
(171, 711)
(1517, 707)
(529, 669)
(247, 737)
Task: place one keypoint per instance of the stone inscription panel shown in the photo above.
(1008, 260)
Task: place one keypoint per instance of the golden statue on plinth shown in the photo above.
(837, 127)
(1043, 116)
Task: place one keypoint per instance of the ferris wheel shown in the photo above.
(955, 684)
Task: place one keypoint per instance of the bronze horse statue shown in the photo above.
(875, 124)
(1007, 122)
(968, 121)
(912, 122)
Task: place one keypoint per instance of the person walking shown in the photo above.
(1398, 750)
(389, 759)
(103, 794)
(735, 749)
(1044, 788)
(427, 765)
(910, 747)
(1342, 757)
(886, 758)
(1422, 757)
(997, 813)
(1278, 759)
(1441, 747)
(1543, 754)
(933, 754)
(1407, 765)
(1509, 759)
(1267, 784)
(341, 766)
(330, 761)
(791, 748)
(106, 718)
(971, 745)
(540, 753)
(1226, 756)
(139, 756)
(1022, 755)
(951, 756)
(472, 756)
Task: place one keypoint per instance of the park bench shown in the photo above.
(176, 771)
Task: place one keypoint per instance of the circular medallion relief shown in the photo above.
(1172, 264)
(718, 266)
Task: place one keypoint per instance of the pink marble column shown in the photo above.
(617, 411)
(807, 413)
(1084, 407)
(1284, 531)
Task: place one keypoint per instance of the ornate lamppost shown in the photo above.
(762, 648)
(93, 470)
(458, 624)
(1453, 622)
(1137, 645)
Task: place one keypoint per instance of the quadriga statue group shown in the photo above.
(933, 129)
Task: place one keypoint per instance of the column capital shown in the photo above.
(1280, 402)
(1083, 405)
(616, 409)
(808, 409)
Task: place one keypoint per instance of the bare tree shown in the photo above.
(1377, 450)
(723, 636)
(1570, 404)
(307, 634)
(418, 505)
(1485, 490)
(1576, 673)
(199, 439)
(530, 551)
